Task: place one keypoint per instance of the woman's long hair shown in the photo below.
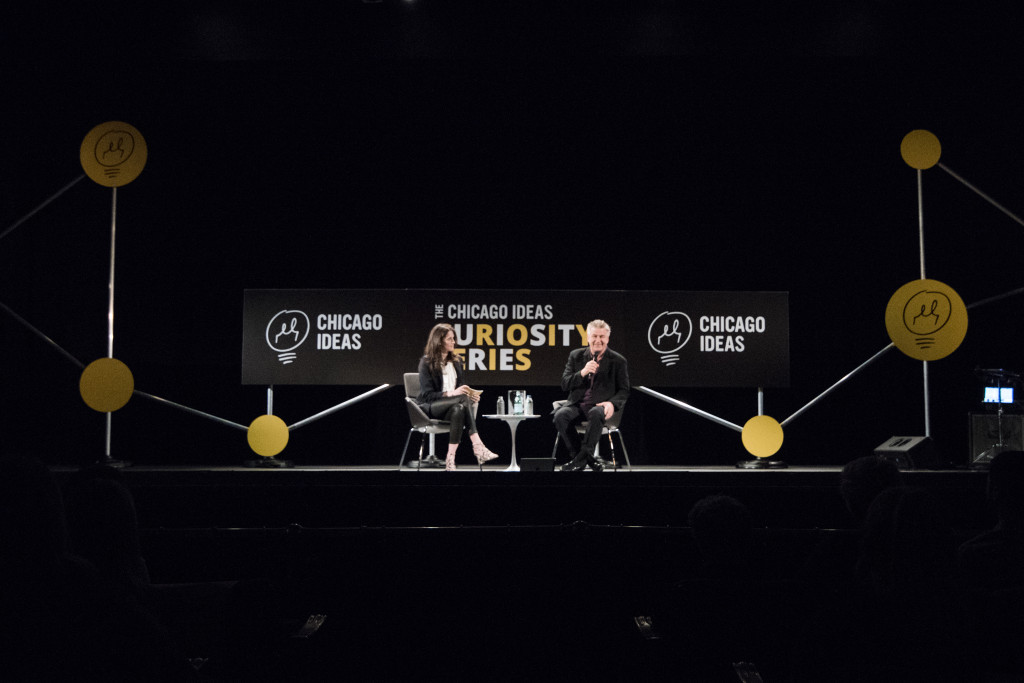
(435, 351)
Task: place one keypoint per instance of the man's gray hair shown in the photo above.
(599, 324)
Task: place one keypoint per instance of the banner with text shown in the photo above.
(514, 337)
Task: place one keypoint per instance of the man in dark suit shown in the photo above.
(597, 380)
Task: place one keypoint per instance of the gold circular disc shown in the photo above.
(113, 154)
(920, 149)
(762, 436)
(926, 319)
(106, 385)
(268, 435)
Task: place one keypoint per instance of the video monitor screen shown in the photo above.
(998, 395)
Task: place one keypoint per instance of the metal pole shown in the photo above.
(39, 208)
(920, 221)
(345, 404)
(110, 300)
(924, 364)
(835, 386)
(110, 304)
(190, 410)
(685, 406)
(982, 194)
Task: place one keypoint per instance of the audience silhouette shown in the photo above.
(900, 617)
(831, 563)
(731, 607)
(888, 598)
(60, 620)
(103, 527)
(228, 628)
(991, 568)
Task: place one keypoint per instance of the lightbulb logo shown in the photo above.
(925, 314)
(668, 333)
(286, 332)
(113, 149)
(926, 319)
(113, 154)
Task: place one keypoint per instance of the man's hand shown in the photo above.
(609, 409)
(590, 368)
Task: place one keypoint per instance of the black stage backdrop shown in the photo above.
(625, 146)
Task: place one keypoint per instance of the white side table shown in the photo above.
(513, 423)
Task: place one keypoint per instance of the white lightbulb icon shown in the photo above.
(669, 332)
(286, 332)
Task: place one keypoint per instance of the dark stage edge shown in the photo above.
(355, 497)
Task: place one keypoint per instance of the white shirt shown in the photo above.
(448, 378)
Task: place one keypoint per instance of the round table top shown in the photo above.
(511, 417)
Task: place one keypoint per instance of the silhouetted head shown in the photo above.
(1006, 485)
(723, 530)
(101, 519)
(862, 480)
(908, 542)
(32, 530)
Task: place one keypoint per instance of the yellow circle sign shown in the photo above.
(268, 435)
(113, 154)
(762, 436)
(106, 385)
(926, 319)
(920, 149)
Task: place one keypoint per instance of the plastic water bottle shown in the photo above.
(529, 404)
(501, 406)
(517, 405)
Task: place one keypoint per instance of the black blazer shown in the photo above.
(611, 381)
(431, 383)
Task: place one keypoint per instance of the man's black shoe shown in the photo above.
(597, 463)
(574, 466)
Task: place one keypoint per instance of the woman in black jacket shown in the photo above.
(444, 396)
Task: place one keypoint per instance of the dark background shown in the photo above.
(559, 145)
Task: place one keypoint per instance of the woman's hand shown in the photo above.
(464, 389)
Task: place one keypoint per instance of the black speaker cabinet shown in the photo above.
(986, 431)
(908, 452)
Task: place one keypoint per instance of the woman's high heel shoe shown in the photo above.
(482, 454)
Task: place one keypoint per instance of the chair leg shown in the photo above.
(622, 444)
(611, 449)
(406, 448)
